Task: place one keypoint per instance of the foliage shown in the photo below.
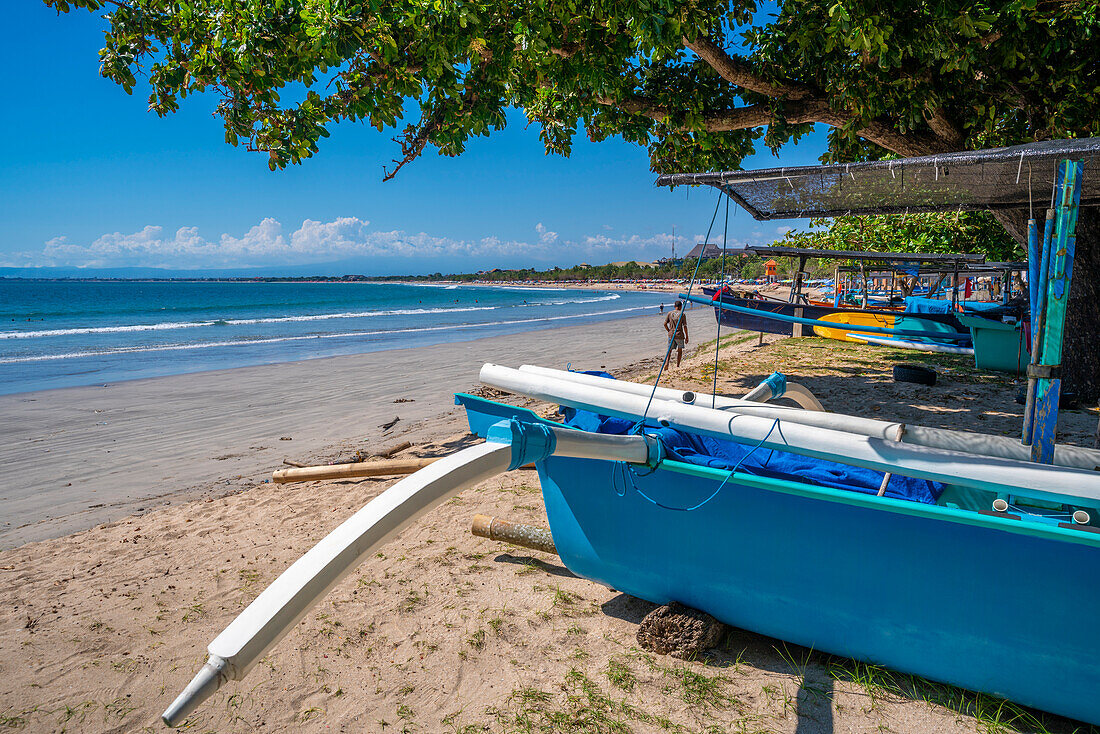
(697, 82)
(746, 266)
(956, 232)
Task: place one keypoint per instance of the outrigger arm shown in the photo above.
(282, 605)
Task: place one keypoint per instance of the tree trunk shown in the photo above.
(1081, 347)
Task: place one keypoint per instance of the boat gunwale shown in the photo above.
(1007, 522)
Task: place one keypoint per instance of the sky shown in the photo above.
(91, 179)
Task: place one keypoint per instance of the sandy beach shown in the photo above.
(93, 454)
(139, 523)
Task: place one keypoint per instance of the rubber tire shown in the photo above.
(915, 374)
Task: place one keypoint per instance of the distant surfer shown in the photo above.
(676, 326)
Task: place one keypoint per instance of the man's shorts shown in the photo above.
(678, 342)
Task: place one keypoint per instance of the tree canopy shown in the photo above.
(697, 82)
(955, 232)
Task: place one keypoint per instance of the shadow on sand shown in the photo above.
(817, 673)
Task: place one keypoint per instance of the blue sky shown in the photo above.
(90, 178)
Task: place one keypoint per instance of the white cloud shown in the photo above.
(546, 237)
(269, 243)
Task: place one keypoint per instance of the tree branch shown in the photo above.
(739, 73)
(797, 112)
(739, 118)
(412, 143)
(944, 127)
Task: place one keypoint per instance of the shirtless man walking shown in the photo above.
(677, 328)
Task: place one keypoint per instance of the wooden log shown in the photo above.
(382, 468)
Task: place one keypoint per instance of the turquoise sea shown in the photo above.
(65, 333)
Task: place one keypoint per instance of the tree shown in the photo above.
(955, 232)
(698, 82)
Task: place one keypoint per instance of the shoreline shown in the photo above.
(99, 453)
(149, 345)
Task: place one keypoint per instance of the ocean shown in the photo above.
(64, 334)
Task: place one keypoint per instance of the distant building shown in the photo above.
(639, 263)
(707, 251)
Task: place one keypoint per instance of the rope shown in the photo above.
(626, 470)
(668, 350)
(718, 336)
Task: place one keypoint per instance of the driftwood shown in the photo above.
(390, 424)
(382, 468)
(391, 450)
(679, 631)
(298, 464)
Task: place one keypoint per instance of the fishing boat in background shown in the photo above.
(958, 556)
(904, 275)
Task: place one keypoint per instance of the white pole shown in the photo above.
(938, 438)
(954, 467)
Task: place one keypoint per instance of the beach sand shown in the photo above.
(86, 455)
(442, 631)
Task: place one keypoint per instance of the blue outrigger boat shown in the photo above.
(946, 554)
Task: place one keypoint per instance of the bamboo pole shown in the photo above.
(380, 468)
(346, 471)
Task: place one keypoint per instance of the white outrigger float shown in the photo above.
(948, 554)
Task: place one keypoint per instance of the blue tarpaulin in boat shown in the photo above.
(722, 454)
(916, 304)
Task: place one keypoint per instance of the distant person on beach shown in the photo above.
(677, 329)
(662, 308)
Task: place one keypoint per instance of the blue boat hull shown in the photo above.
(927, 590)
(748, 322)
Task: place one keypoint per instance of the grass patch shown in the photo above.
(621, 676)
(580, 706)
(477, 640)
(699, 689)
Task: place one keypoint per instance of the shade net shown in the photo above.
(1016, 177)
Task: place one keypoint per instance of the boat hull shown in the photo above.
(748, 322)
(913, 588)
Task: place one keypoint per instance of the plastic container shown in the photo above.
(997, 346)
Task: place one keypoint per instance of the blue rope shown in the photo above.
(623, 468)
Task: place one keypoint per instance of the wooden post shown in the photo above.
(796, 329)
(1048, 370)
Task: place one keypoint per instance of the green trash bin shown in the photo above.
(997, 345)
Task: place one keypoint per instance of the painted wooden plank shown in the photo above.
(1063, 244)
